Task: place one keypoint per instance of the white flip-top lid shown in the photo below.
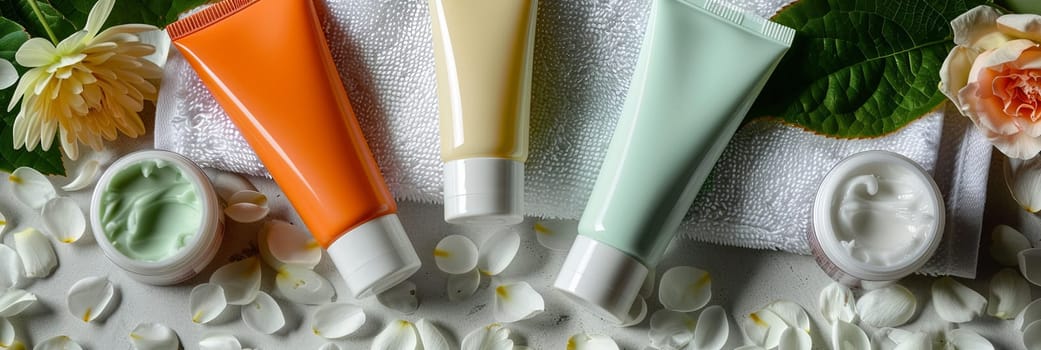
(375, 256)
(604, 279)
(484, 191)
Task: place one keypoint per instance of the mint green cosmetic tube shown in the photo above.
(701, 66)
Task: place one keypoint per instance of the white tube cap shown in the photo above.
(602, 278)
(375, 256)
(484, 191)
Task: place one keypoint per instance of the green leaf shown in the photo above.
(21, 12)
(155, 12)
(861, 68)
(12, 35)
(1023, 6)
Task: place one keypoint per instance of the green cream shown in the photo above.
(150, 210)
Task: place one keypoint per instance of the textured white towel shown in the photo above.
(585, 51)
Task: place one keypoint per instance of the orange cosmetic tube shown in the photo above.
(267, 63)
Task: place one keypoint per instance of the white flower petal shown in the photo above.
(88, 173)
(1030, 265)
(248, 196)
(955, 302)
(556, 235)
(793, 314)
(795, 339)
(1006, 243)
(37, 253)
(206, 302)
(1009, 294)
(490, 337)
(7, 333)
(31, 188)
(1032, 336)
(60, 342)
(220, 342)
(712, 329)
(637, 314)
(455, 254)
(282, 243)
(14, 301)
(498, 252)
(837, 303)
(3, 224)
(64, 220)
(584, 341)
(398, 335)
(516, 302)
(462, 286)
(303, 286)
(430, 336)
(89, 298)
(246, 212)
(964, 339)
(154, 336)
(336, 320)
(891, 306)
(847, 336)
(227, 184)
(685, 289)
(764, 328)
(1023, 178)
(1030, 314)
(896, 335)
(240, 280)
(401, 297)
(671, 329)
(11, 272)
(263, 314)
(8, 75)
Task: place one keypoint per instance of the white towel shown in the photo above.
(585, 51)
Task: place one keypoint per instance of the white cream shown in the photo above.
(877, 217)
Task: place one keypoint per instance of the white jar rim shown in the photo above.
(824, 231)
(198, 251)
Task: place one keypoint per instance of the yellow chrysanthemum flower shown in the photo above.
(87, 88)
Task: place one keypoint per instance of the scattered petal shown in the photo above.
(792, 314)
(88, 173)
(498, 252)
(685, 289)
(31, 188)
(60, 342)
(964, 339)
(336, 320)
(263, 314)
(1032, 336)
(1009, 294)
(401, 297)
(847, 336)
(154, 336)
(430, 337)
(795, 339)
(206, 302)
(637, 315)
(764, 328)
(247, 206)
(1030, 265)
(955, 302)
(3, 224)
(64, 220)
(556, 235)
(8, 74)
(399, 335)
(516, 302)
(89, 298)
(14, 301)
(462, 286)
(240, 280)
(7, 334)
(490, 337)
(837, 303)
(228, 184)
(1030, 314)
(282, 243)
(455, 254)
(671, 329)
(1023, 178)
(303, 286)
(329, 346)
(891, 306)
(37, 253)
(712, 329)
(220, 342)
(585, 341)
(1006, 242)
(11, 272)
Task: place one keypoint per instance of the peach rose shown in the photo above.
(993, 76)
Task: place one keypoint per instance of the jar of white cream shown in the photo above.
(156, 215)
(878, 216)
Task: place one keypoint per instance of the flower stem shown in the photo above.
(43, 22)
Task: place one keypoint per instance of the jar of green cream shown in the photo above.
(156, 215)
